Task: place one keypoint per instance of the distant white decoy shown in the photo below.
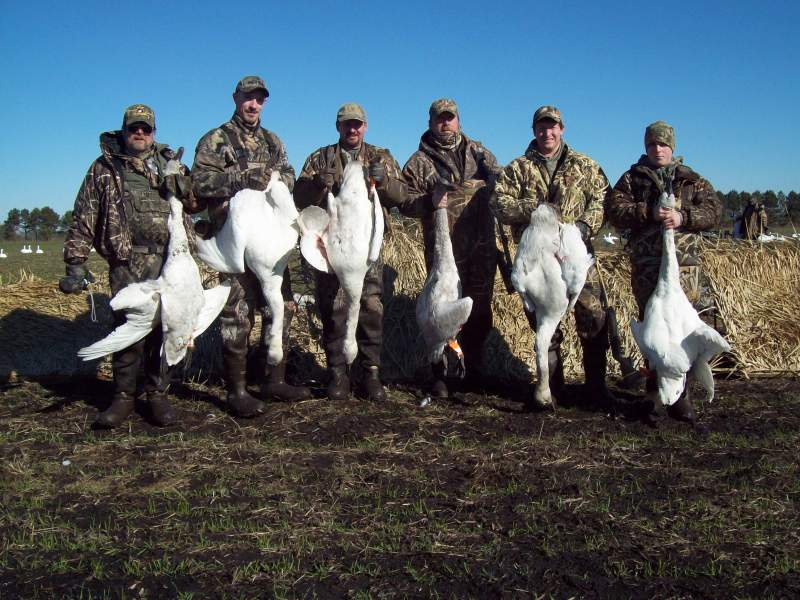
(610, 239)
(3, 253)
(550, 270)
(345, 240)
(260, 232)
(675, 341)
(26, 249)
(92, 250)
(176, 299)
(39, 250)
(796, 236)
(441, 311)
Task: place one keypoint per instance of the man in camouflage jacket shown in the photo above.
(550, 171)
(122, 210)
(322, 172)
(633, 204)
(447, 159)
(240, 154)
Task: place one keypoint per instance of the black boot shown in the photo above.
(683, 410)
(161, 410)
(595, 363)
(276, 387)
(438, 388)
(122, 405)
(241, 403)
(339, 385)
(371, 386)
(555, 365)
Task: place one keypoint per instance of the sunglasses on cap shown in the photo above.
(144, 127)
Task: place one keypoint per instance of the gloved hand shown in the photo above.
(584, 229)
(256, 178)
(77, 279)
(325, 179)
(175, 185)
(377, 172)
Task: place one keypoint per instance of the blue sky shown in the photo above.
(725, 74)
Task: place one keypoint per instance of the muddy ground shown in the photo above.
(467, 498)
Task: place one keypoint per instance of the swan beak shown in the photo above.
(452, 343)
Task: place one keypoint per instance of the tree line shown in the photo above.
(782, 208)
(38, 223)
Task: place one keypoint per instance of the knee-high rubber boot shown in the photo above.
(595, 364)
(555, 365)
(276, 387)
(125, 365)
(438, 388)
(241, 403)
(339, 385)
(683, 410)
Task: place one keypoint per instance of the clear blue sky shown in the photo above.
(725, 74)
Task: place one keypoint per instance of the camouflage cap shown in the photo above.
(349, 111)
(139, 113)
(548, 112)
(660, 132)
(443, 105)
(251, 83)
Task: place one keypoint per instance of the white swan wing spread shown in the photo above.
(313, 222)
(141, 303)
(213, 302)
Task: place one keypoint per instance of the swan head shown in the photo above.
(670, 388)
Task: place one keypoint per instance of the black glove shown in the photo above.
(77, 279)
(584, 229)
(325, 179)
(256, 178)
(377, 172)
(176, 185)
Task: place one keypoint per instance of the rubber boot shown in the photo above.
(241, 403)
(438, 388)
(371, 386)
(161, 410)
(339, 386)
(595, 363)
(683, 410)
(555, 365)
(122, 405)
(276, 387)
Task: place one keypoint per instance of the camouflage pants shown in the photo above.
(333, 313)
(127, 363)
(238, 316)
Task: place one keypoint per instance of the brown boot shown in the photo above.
(339, 386)
(161, 410)
(276, 387)
(371, 386)
(241, 403)
(595, 363)
(121, 407)
(555, 365)
(439, 387)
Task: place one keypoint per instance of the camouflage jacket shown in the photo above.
(223, 157)
(577, 188)
(99, 217)
(631, 202)
(328, 159)
(473, 168)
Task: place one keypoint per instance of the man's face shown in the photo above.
(139, 137)
(659, 154)
(249, 105)
(548, 136)
(444, 122)
(351, 132)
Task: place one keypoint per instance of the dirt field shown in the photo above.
(470, 498)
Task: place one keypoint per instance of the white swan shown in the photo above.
(441, 311)
(345, 240)
(3, 253)
(26, 249)
(39, 250)
(260, 232)
(549, 272)
(176, 299)
(675, 341)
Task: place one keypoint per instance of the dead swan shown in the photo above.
(549, 272)
(176, 299)
(260, 232)
(345, 240)
(441, 311)
(675, 341)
